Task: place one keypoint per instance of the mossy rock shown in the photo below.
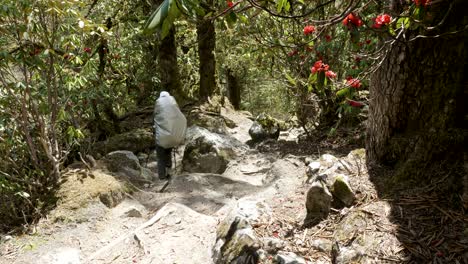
(213, 123)
(358, 153)
(203, 156)
(138, 140)
(266, 121)
(78, 190)
(342, 190)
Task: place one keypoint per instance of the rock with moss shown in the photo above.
(342, 190)
(213, 123)
(236, 241)
(208, 115)
(208, 152)
(264, 127)
(354, 239)
(318, 203)
(138, 140)
(124, 163)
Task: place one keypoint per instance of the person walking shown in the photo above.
(170, 125)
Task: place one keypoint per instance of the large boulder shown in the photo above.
(208, 152)
(124, 163)
(264, 127)
(236, 241)
(138, 140)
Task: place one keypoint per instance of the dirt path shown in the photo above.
(176, 226)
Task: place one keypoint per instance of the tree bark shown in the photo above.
(167, 65)
(418, 96)
(206, 37)
(234, 90)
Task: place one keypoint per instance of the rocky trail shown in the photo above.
(227, 203)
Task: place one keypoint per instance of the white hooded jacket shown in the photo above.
(170, 124)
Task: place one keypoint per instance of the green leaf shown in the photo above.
(403, 22)
(190, 8)
(158, 16)
(231, 18)
(78, 60)
(287, 7)
(243, 18)
(184, 6)
(79, 134)
(62, 115)
(321, 80)
(281, 4)
(312, 78)
(343, 92)
(290, 79)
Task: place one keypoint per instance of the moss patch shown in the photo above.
(78, 190)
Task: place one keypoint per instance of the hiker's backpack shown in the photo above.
(169, 122)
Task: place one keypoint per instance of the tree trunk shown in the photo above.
(234, 92)
(418, 96)
(206, 37)
(167, 65)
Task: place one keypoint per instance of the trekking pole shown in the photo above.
(174, 159)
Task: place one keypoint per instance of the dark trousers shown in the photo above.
(164, 161)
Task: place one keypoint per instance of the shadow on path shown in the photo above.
(431, 222)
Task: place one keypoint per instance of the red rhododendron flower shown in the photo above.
(355, 103)
(330, 74)
(328, 38)
(368, 41)
(230, 3)
(355, 83)
(382, 20)
(309, 30)
(352, 19)
(88, 50)
(319, 66)
(421, 2)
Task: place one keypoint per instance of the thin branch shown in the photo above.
(439, 35)
(253, 3)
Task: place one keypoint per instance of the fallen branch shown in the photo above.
(160, 214)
